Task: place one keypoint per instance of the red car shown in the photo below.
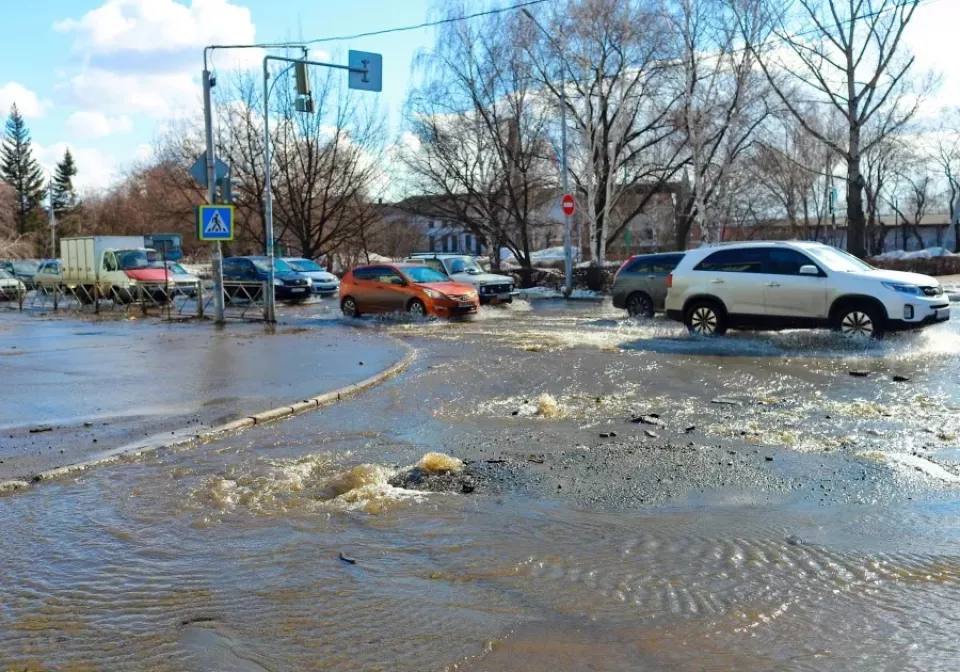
(411, 288)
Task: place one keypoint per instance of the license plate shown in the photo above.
(943, 314)
(298, 289)
(466, 304)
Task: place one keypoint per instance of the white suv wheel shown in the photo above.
(857, 324)
(704, 321)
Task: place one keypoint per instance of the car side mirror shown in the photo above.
(809, 269)
(398, 281)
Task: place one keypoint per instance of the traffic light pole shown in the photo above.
(271, 302)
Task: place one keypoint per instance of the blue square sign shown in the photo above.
(215, 222)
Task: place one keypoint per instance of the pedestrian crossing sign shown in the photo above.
(215, 222)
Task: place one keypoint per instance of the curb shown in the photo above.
(263, 417)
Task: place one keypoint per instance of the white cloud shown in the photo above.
(94, 124)
(27, 101)
(143, 56)
(95, 169)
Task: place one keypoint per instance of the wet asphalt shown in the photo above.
(632, 498)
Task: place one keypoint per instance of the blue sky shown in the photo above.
(104, 76)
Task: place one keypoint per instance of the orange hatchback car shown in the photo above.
(411, 288)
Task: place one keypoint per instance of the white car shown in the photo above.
(324, 282)
(778, 285)
(492, 288)
(10, 287)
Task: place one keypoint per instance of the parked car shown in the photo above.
(288, 285)
(640, 285)
(777, 285)
(492, 288)
(22, 269)
(181, 280)
(10, 288)
(324, 282)
(49, 275)
(412, 288)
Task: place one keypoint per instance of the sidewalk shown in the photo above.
(74, 388)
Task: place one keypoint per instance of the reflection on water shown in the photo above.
(294, 546)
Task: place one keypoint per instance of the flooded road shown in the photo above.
(631, 499)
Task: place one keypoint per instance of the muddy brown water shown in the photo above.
(227, 555)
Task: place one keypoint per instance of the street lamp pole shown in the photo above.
(565, 179)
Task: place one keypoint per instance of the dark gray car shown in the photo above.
(641, 283)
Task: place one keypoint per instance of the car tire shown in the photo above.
(639, 304)
(350, 307)
(705, 318)
(416, 308)
(859, 321)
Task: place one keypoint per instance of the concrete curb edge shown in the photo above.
(260, 418)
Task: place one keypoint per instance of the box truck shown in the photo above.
(121, 268)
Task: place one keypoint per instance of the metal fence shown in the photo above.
(242, 300)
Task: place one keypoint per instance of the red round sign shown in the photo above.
(567, 204)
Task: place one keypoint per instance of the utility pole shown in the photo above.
(208, 84)
(53, 229)
(565, 179)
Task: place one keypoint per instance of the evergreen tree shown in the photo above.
(62, 193)
(21, 171)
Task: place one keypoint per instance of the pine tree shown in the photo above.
(21, 171)
(62, 193)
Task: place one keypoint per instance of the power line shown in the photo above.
(427, 24)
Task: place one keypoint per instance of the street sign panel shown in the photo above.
(567, 203)
(215, 222)
(372, 65)
(198, 171)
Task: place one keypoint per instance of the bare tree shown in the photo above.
(614, 55)
(723, 102)
(910, 195)
(328, 166)
(880, 164)
(946, 156)
(480, 156)
(852, 60)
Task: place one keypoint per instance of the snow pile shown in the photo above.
(551, 293)
(928, 253)
(550, 254)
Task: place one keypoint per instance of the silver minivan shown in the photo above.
(640, 285)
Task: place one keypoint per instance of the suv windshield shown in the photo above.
(305, 265)
(279, 266)
(423, 274)
(25, 266)
(131, 260)
(463, 265)
(839, 261)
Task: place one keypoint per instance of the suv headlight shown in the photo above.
(277, 282)
(309, 282)
(912, 290)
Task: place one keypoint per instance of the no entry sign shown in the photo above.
(567, 204)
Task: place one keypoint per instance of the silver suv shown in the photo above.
(492, 288)
(778, 285)
(640, 285)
